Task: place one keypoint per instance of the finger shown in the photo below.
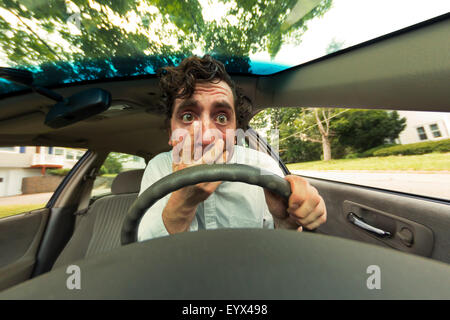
(209, 187)
(312, 199)
(300, 229)
(214, 152)
(276, 204)
(313, 215)
(181, 152)
(321, 220)
(299, 188)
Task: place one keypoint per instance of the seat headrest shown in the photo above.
(127, 182)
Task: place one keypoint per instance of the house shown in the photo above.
(17, 163)
(424, 126)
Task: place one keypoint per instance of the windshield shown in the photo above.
(65, 41)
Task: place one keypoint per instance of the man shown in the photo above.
(202, 108)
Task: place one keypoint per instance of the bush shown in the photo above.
(415, 148)
(112, 164)
(370, 152)
(58, 172)
(353, 156)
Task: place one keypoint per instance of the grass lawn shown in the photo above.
(425, 162)
(10, 210)
(109, 175)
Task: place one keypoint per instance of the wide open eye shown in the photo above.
(222, 119)
(187, 117)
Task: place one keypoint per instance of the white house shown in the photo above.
(424, 126)
(20, 162)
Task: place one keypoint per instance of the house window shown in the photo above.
(22, 149)
(422, 134)
(435, 130)
(59, 152)
(12, 149)
(50, 150)
(70, 155)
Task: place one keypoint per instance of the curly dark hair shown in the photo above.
(179, 83)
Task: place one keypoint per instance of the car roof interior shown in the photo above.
(405, 70)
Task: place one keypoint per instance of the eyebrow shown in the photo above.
(194, 103)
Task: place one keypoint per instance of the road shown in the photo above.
(434, 184)
(430, 184)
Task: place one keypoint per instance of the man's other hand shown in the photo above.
(305, 207)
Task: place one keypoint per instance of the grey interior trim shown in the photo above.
(409, 71)
(245, 264)
(58, 231)
(434, 215)
(20, 237)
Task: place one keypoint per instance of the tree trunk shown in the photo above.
(326, 147)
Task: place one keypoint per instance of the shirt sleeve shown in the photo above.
(152, 225)
(271, 165)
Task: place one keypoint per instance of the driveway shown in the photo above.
(434, 184)
(35, 198)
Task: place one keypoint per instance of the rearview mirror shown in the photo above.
(66, 111)
(78, 107)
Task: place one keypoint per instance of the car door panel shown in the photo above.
(400, 233)
(20, 237)
(417, 225)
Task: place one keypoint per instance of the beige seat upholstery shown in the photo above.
(99, 229)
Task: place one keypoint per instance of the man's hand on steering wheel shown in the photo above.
(305, 207)
(182, 204)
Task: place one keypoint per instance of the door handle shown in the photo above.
(357, 221)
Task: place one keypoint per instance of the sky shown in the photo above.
(356, 21)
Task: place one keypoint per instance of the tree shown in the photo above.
(113, 163)
(166, 31)
(334, 46)
(315, 125)
(366, 129)
(291, 147)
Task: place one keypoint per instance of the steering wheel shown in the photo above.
(191, 176)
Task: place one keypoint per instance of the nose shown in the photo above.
(209, 133)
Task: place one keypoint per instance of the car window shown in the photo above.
(114, 164)
(406, 151)
(30, 174)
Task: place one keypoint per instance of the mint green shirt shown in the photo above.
(232, 205)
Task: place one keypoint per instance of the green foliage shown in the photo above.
(114, 163)
(370, 152)
(415, 148)
(58, 172)
(43, 36)
(353, 156)
(300, 151)
(366, 129)
(102, 171)
(291, 147)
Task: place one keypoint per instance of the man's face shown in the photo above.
(205, 116)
